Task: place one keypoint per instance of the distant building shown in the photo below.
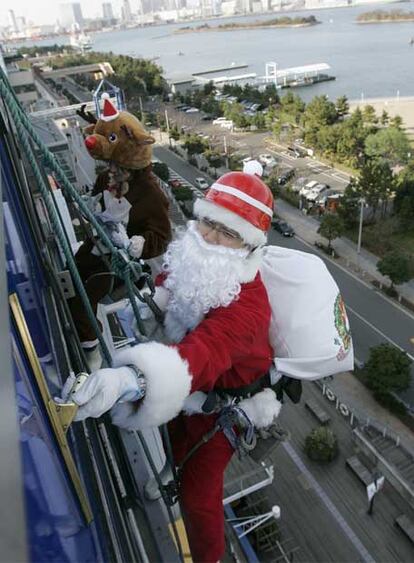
(245, 6)
(58, 144)
(12, 21)
(107, 11)
(21, 80)
(126, 11)
(21, 23)
(229, 7)
(70, 15)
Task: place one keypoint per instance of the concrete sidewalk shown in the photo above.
(363, 265)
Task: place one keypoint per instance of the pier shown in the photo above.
(296, 76)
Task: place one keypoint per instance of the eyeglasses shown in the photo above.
(221, 230)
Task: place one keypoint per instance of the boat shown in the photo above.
(81, 42)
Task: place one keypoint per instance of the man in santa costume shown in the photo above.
(217, 320)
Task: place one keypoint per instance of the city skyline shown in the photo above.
(47, 11)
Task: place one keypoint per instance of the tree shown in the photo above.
(319, 113)
(376, 183)
(369, 116)
(321, 444)
(259, 120)
(396, 122)
(331, 227)
(214, 159)
(161, 170)
(404, 199)
(390, 143)
(385, 118)
(208, 88)
(342, 106)
(194, 145)
(387, 369)
(396, 266)
(174, 133)
(349, 204)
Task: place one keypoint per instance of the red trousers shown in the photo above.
(201, 488)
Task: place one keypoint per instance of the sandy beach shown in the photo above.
(398, 105)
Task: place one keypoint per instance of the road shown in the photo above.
(373, 319)
(252, 144)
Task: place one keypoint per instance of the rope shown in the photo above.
(123, 267)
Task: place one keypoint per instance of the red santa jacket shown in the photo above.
(229, 348)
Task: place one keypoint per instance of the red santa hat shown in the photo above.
(242, 202)
(110, 111)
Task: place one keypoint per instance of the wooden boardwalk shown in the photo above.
(325, 507)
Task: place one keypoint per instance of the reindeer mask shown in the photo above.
(120, 138)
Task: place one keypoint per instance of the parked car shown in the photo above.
(184, 108)
(206, 117)
(316, 192)
(267, 159)
(299, 184)
(292, 151)
(192, 110)
(307, 188)
(201, 183)
(219, 120)
(283, 228)
(285, 176)
(227, 124)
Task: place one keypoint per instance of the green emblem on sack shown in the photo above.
(342, 326)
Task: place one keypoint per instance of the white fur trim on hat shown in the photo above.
(249, 233)
(168, 383)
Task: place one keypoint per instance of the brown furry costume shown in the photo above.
(118, 137)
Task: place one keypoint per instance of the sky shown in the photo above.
(46, 11)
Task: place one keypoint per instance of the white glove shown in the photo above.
(105, 387)
(93, 203)
(136, 246)
(120, 237)
(262, 408)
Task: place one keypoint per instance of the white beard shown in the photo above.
(201, 276)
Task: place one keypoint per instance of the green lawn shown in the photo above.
(384, 236)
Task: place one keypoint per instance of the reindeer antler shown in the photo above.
(86, 115)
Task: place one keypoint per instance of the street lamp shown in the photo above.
(361, 220)
(167, 124)
(226, 151)
(246, 524)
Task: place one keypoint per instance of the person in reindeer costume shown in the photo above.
(217, 317)
(127, 200)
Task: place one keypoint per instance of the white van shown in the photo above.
(308, 187)
(316, 192)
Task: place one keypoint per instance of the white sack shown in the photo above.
(309, 330)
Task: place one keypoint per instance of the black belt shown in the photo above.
(292, 388)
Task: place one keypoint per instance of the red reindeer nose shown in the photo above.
(90, 142)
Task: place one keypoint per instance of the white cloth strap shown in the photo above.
(244, 197)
